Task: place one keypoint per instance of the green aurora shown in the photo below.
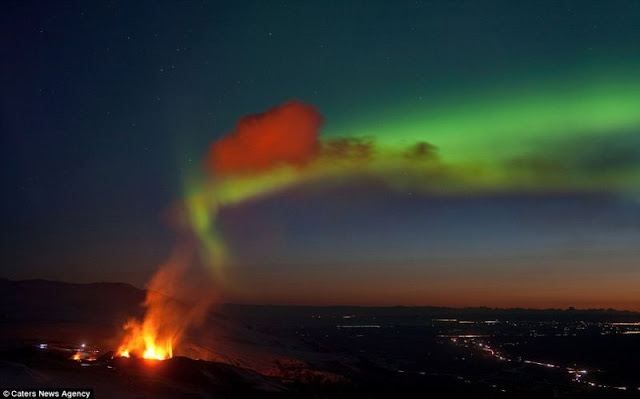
(543, 137)
(509, 121)
(508, 139)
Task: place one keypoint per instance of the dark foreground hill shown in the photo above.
(289, 352)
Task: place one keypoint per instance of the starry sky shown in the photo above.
(109, 108)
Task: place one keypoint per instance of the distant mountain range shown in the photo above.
(46, 300)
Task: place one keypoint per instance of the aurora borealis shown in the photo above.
(463, 154)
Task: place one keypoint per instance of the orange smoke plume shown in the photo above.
(167, 318)
(286, 134)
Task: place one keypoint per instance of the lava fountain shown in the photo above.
(169, 311)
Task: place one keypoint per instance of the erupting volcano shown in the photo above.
(257, 145)
(144, 340)
(166, 318)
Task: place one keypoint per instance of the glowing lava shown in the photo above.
(147, 339)
(143, 341)
(166, 319)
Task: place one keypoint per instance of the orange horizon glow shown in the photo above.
(502, 303)
(576, 285)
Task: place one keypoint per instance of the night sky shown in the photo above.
(531, 112)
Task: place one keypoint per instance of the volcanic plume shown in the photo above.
(265, 152)
(286, 134)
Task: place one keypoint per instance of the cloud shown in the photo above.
(422, 151)
(606, 154)
(350, 148)
(286, 134)
(605, 160)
